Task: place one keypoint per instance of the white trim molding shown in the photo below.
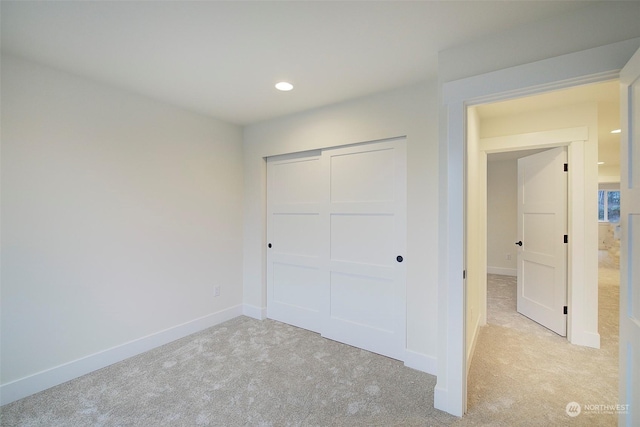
(588, 66)
(582, 322)
(254, 312)
(524, 141)
(43, 380)
(502, 271)
(421, 362)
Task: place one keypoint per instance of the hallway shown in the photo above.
(524, 374)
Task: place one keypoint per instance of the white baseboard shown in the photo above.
(421, 362)
(472, 347)
(502, 271)
(259, 313)
(40, 381)
(441, 400)
(586, 339)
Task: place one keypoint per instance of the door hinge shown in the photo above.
(566, 167)
(566, 238)
(464, 274)
(565, 309)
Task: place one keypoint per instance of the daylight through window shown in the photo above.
(609, 205)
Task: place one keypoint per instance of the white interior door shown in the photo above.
(542, 225)
(630, 242)
(296, 274)
(367, 244)
(337, 230)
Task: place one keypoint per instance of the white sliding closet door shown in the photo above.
(337, 226)
(296, 273)
(367, 229)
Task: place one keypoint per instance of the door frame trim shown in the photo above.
(574, 139)
(587, 66)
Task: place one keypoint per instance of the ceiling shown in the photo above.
(222, 59)
(606, 95)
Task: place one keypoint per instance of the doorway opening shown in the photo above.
(490, 235)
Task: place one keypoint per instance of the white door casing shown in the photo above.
(542, 225)
(336, 226)
(588, 66)
(630, 242)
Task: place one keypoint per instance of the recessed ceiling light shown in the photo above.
(284, 86)
(601, 163)
(616, 131)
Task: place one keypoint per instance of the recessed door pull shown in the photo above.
(519, 243)
(269, 245)
(399, 258)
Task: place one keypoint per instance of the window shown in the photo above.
(609, 205)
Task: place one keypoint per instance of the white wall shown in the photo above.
(409, 111)
(569, 116)
(502, 220)
(609, 174)
(595, 25)
(476, 255)
(119, 216)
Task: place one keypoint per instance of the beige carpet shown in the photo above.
(250, 373)
(524, 374)
(243, 372)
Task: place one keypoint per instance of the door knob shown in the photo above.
(519, 243)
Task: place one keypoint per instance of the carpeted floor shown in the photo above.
(524, 374)
(241, 373)
(250, 373)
